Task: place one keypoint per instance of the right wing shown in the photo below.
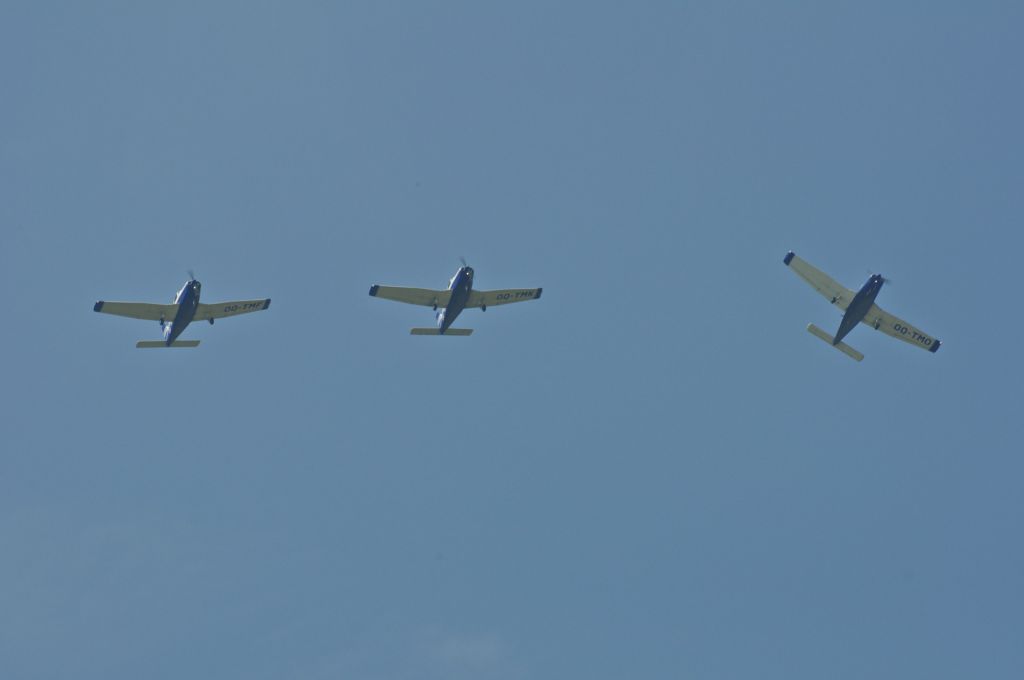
(413, 296)
(881, 320)
(137, 310)
(834, 292)
(219, 310)
(490, 298)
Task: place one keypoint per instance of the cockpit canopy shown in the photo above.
(463, 271)
(192, 285)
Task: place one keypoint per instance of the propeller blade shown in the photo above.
(885, 279)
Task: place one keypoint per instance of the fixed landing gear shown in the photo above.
(211, 322)
(483, 308)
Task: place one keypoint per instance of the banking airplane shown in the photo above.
(858, 307)
(175, 317)
(459, 295)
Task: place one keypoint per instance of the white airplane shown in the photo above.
(175, 317)
(459, 295)
(858, 307)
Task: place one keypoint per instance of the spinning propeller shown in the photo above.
(885, 279)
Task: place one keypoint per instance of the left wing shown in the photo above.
(218, 310)
(413, 296)
(489, 298)
(137, 310)
(881, 320)
(834, 292)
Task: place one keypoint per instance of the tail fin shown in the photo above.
(160, 343)
(437, 331)
(841, 346)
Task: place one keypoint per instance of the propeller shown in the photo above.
(191, 275)
(463, 261)
(885, 279)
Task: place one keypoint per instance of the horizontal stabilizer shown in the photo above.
(161, 343)
(841, 346)
(437, 331)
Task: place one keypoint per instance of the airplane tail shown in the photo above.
(437, 331)
(841, 346)
(160, 343)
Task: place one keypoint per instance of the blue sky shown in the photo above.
(653, 471)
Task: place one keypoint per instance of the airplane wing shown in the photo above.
(413, 296)
(881, 320)
(137, 310)
(834, 292)
(219, 310)
(489, 298)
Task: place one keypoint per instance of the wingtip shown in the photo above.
(373, 290)
(789, 257)
(935, 346)
(98, 307)
(539, 291)
(266, 304)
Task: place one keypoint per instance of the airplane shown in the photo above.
(458, 296)
(175, 317)
(857, 308)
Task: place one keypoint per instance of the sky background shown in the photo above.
(652, 472)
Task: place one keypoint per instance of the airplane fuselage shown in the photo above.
(461, 286)
(859, 306)
(187, 300)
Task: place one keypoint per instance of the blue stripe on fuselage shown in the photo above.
(188, 303)
(461, 287)
(859, 306)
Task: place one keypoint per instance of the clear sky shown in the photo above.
(652, 472)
